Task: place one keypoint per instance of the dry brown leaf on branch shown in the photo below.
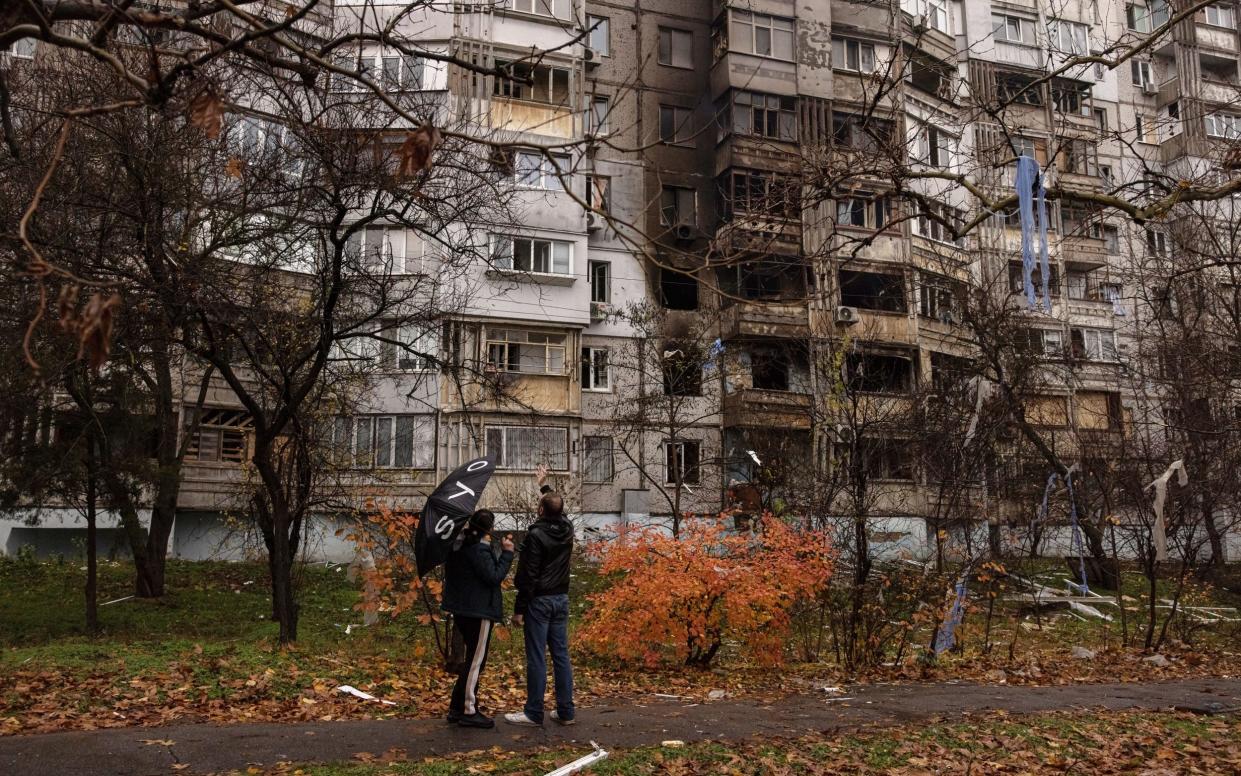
(414, 155)
(206, 111)
(95, 329)
(92, 326)
(234, 167)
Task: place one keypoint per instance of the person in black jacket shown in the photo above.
(472, 577)
(543, 610)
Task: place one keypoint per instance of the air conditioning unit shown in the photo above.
(1150, 88)
(593, 222)
(842, 434)
(599, 310)
(591, 57)
(920, 22)
(847, 316)
(684, 232)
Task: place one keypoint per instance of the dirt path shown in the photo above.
(213, 748)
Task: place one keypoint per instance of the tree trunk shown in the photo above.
(1213, 536)
(280, 561)
(92, 538)
(149, 579)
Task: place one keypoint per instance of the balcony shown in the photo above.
(757, 233)
(534, 117)
(758, 408)
(1218, 92)
(1031, 57)
(765, 319)
(1080, 252)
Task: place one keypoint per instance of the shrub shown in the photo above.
(680, 599)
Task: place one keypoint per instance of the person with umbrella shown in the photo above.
(472, 577)
(450, 531)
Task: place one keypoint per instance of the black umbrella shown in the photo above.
(447, 510)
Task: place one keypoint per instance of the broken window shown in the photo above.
(677, 290)
(888, 459)
(1019, 89)
(1016, 282)
(769, 367)
(681, 461)
(862, 133)
(762, 193)
(873, 291)
(682, 369)
(533, 83)
(879, 373)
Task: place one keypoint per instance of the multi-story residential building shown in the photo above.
(715, 178)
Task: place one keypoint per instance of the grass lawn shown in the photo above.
(207, 651)
(1079, 742)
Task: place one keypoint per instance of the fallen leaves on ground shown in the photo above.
(1094, 742)
(304, 689)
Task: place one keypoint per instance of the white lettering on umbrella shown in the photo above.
(479, 464)
(464, 490)
(444, 526)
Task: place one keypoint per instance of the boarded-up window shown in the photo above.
(220, 436)
(1047, 411)
(1098, 411)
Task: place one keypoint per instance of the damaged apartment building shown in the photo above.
(741, 291)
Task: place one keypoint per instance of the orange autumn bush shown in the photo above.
(385, 538)
(681, 599)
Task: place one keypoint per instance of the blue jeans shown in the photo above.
(547, 626)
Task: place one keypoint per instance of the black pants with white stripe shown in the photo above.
(476, 634)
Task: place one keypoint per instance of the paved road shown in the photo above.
(214, 748)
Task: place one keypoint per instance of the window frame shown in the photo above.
(351, 457)
(738, 19)
(1221, 8)
(875, 210)
(493, 344)
(1058, 28)
(681, 118)
(550, 174)
(593, 25)
(676, 470)
(407, 348)
(858, 47)
(599, 123)
(548, 8)
(679, 194)
(359, 245)
(588, 454)
(1096, 345)
(593, 359)
(499, 255)
(501, 460)
(1025, 29)
(672, 35)
(599, 193)
(593, 267)
(745, 108)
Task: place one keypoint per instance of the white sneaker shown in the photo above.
(555, 715)
(520, 718)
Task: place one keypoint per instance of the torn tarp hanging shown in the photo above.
(1032, 211)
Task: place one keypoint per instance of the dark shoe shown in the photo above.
(556, 716)
(453, 717)
(476, 720)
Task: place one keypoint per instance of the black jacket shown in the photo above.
(543, 568)
(472, 577)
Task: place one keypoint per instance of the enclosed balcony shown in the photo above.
(536, 99)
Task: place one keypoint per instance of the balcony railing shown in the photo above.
(534, 117)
